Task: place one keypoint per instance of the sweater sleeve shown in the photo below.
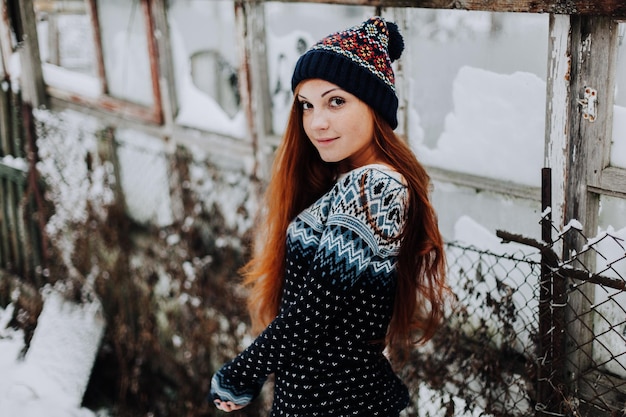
(364, 223)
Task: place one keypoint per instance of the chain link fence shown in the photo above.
(529, 334)
(586, 362)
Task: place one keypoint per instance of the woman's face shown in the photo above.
(340, 126)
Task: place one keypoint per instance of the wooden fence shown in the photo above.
(21, 224)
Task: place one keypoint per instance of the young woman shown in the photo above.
(350, 260)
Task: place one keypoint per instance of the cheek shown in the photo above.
(308, 134)
(306, 126)
(365, 127)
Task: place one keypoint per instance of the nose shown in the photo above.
(318, 120)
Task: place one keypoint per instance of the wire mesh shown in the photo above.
(506, 351)
(593, 362)
(482, 362)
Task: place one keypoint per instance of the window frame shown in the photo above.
(104, 101)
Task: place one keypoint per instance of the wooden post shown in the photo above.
(594, 56)
(253, 80)
(165, 57)
(33, 87)
(557, 115)
(582, 60)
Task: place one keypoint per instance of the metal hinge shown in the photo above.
(588, 103)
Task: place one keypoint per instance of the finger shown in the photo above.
(221, 405)
(231, 406)
(227, 406)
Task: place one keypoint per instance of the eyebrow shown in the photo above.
(323, 94)
(331, 90)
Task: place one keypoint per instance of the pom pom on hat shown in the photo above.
(396, 42)
(358, 60)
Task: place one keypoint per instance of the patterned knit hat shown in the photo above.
(359, 61)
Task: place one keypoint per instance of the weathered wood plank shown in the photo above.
(6, 146)
(6, 40)
(5, 244)
(254, 81)
(33, 90)
(166, 61)
(582, 54)
(593, 54)
(15, 175)
(604, 391)
(485, 184)
(124, 109)
(613, 182)
(92, 9)
(614, 8)
(557, 116)
(154, 62)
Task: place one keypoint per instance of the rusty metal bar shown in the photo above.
(92, 8)
(615, 283)
(567, 271)
(154, 61)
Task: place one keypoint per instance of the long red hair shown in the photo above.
(299, 178)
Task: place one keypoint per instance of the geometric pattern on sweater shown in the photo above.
(369, 205)
(326, 344)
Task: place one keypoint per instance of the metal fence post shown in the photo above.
(545, 393)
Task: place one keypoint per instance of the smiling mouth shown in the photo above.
(325, 140)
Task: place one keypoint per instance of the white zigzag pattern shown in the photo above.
(227, 395)
(346, 250)
(385, 267)
(349, 221)
(303, 235)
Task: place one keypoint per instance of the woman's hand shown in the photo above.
(227, 406)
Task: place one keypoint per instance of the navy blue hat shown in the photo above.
(358, 60)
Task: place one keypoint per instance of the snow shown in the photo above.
(65, 141)
(64, 79)
(516, 277)
(144, 176)
(51, 378)
(618, 149)
(17, 163)
(610, 303)
(125, 51)
(201, 111)
(493, 128)
(197, 108)
(283, 53)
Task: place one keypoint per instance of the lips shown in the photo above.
(325, 141)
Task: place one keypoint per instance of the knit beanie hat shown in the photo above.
(358, 60)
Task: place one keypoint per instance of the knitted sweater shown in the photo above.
(326, 344)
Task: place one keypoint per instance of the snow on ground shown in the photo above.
(51, 378)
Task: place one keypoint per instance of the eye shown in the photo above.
(337, 101)
(305, 105)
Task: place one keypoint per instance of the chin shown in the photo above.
(330, 158)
